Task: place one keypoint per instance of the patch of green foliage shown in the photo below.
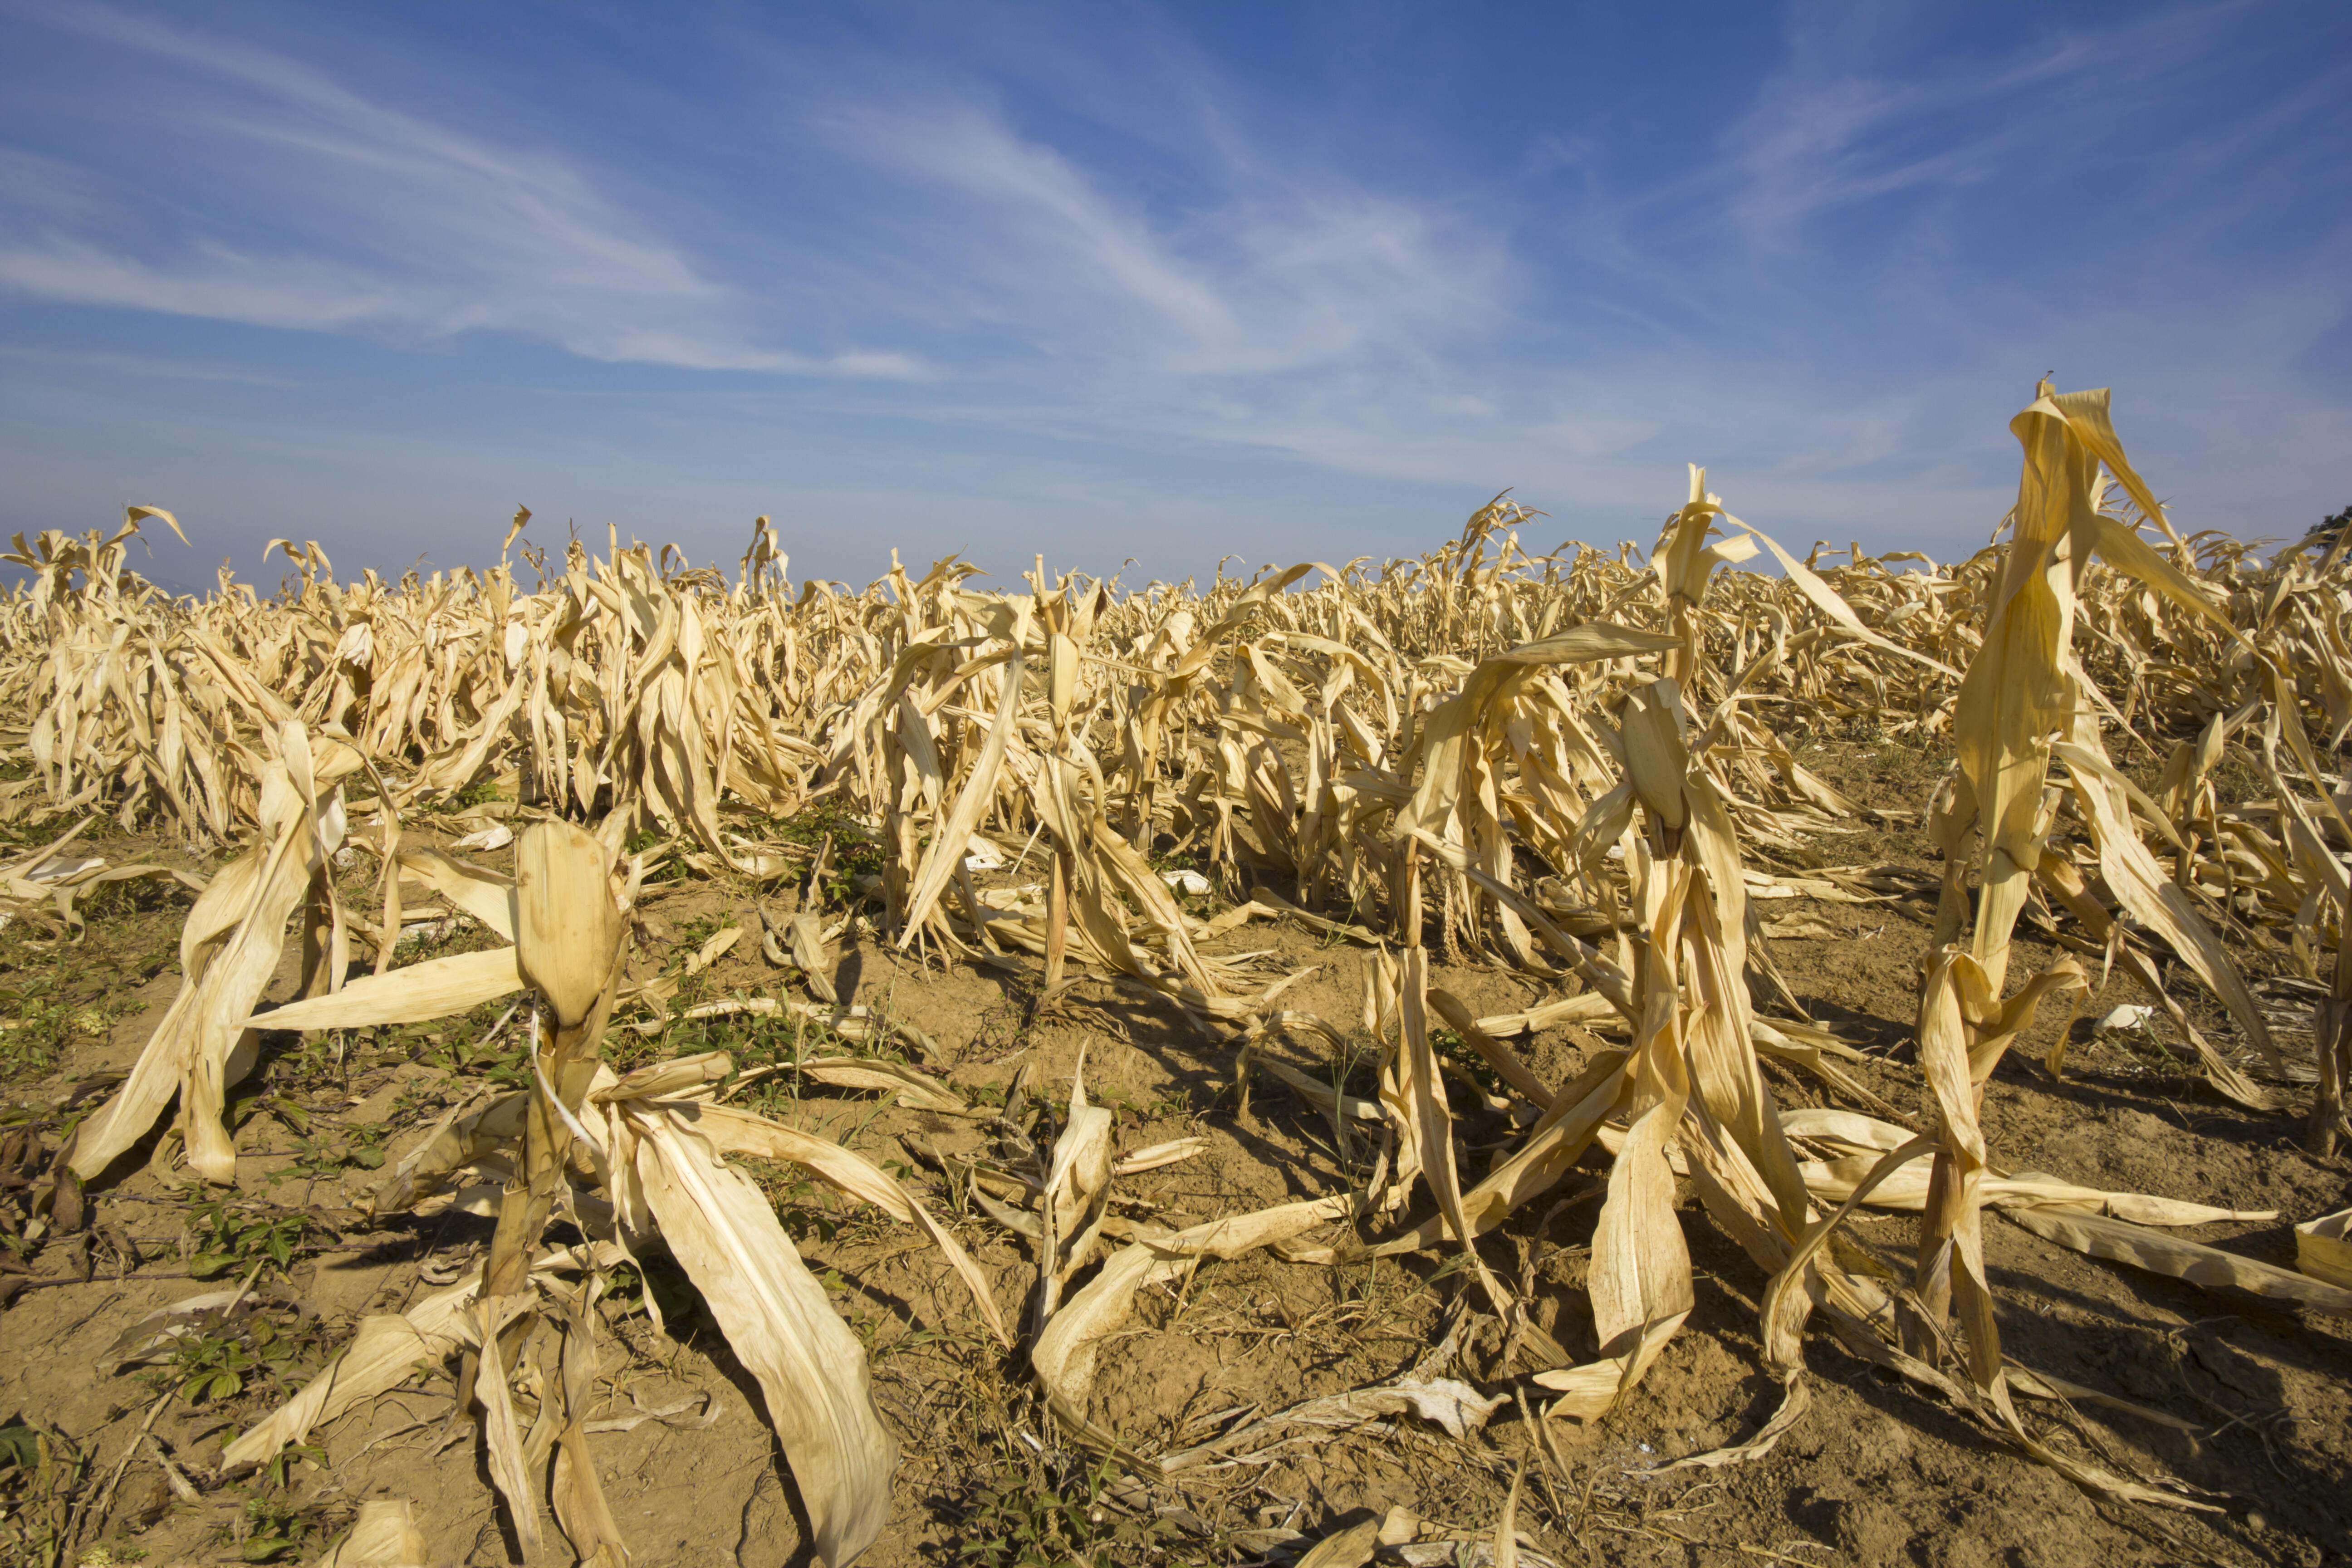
(273, 1528)
(44, 1026)
(462, 1045)
(645, 840)
(656, 1279)
(2331, 528)
(318, 1158)
(482, 791)
(56, 993)
(857, 852)
(1046, 1511)
(42, 1472)
(231, 1240)
(757, 1040)
(699, 930)
(219, 1358)
(1449, 1046)
(1132, 1108)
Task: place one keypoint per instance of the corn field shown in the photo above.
(1577, 767)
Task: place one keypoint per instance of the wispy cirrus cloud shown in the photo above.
(149, 366)
(1243, 272)
(382, 219)
(1097, 264)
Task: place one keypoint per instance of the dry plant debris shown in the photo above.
(1576, 768)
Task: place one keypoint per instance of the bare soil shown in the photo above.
(1878, 1472)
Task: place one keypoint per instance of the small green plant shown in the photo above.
(668, 869)
(271, 1528)
(802, 1208)
(41, 1472)
(1450, 1045)
(858, 854)
(698, 930)
(409, 1105)
(661, 1282)
(481, 790)
(318, 1159)
(475, 1043)
(20, 1445)
(221, 1355)
(264, 1099)
(1044, 1512)
(280, 1468)
(205, 1367)
(42, 1017)
(230, 1240)
(1133, 1107)
(447, 938)
(38, 1029)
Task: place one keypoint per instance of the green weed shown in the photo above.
(269, 1529)
(230, 1240)
(218, 1359)
(857, 852)
(481, 792)
(1047, 1511)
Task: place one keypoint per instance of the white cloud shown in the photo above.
(218, 283)
(399, 223)
(144, 365)
(1250, 274)
(1088, 275)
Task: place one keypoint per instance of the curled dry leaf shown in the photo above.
(1062, 1356)
(2323, 1247)
(383, 1536)
(810, 1366)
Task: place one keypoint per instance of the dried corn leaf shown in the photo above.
(228, 949)
(914, 1090)
(1062, 1356)
(485, 895)
(433, 989)
(730, 1130)
(385, 1536)
(811, 1368)
(2121, 1241)
(1157, 1155)
(2323, 1247)
(385, 1353)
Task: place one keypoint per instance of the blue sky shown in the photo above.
(1294, 282)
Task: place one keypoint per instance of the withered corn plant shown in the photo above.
(1571, 765)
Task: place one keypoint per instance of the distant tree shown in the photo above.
(2330, 529)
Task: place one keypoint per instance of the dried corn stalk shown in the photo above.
(1553, 763)
(229, 949)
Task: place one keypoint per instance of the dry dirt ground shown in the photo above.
(1878, 1472)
